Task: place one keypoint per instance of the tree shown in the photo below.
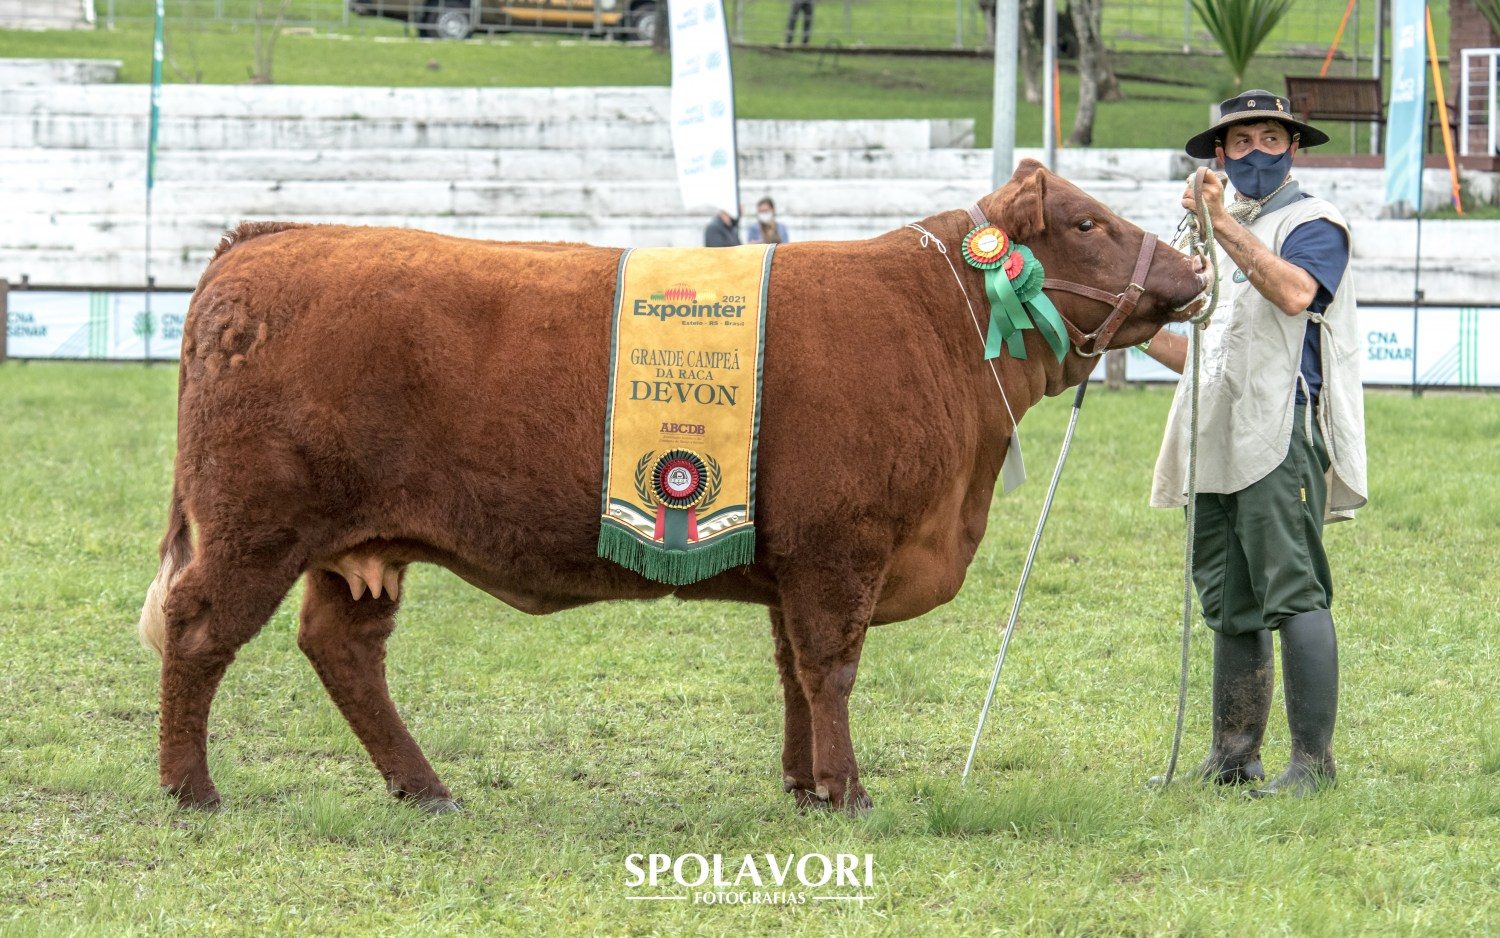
(1096, 80)
(1031, 49)
(265, 40)
(661, 36)
(1239, 27)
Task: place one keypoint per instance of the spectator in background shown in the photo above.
(766, 229)
(803, 8)
(721, 231)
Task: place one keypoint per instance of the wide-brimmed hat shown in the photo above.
(1249, 107)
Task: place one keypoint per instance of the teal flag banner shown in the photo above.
(147, 324)
(156, 58)
(1406, 118)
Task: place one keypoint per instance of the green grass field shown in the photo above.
(577, 739)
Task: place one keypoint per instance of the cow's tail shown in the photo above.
(176, 553)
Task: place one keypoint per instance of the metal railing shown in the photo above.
(1140, 25)
(1477, 99)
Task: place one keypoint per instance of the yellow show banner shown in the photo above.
(684, 411)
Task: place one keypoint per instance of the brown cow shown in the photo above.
(353, 400)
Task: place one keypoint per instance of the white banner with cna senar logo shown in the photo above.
(1443, 343)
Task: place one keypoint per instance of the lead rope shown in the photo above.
(1198, 239)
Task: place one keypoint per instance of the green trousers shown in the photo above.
(1258, 553)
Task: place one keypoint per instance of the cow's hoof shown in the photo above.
(808, 800)
(188, 799)
(437, 806)
(855, 801)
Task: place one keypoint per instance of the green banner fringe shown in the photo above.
(677, 567)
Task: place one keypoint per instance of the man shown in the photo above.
(1281, 441)
(721, 231)
(804, 9)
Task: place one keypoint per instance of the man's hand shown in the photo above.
(1213, 194)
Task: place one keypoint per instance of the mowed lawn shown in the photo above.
(578, 739)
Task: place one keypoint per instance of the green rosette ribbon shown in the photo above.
(1018, 303)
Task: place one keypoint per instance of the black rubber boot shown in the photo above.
(1244, 677)
(1310, 678)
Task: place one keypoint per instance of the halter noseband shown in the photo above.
(1122, 304)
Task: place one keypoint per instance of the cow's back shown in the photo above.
(430, 389)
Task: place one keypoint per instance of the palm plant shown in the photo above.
(1491, 11)
(1239, 27)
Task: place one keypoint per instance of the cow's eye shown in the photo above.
(1086, 225)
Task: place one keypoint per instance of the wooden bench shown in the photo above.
(1356, 100)
(1336, 99)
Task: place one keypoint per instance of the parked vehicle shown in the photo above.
(459, 19)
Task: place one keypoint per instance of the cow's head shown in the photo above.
(1081, 242)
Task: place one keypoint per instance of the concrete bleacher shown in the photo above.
(46, 14)
(538, 164)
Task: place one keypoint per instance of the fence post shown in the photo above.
(4, 318)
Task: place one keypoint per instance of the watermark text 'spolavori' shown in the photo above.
(750, 879)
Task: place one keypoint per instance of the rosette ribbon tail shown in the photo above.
(676, 527)
(1007, 317)
(1049, 323)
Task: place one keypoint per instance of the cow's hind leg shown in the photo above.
(217, 605)
(344, 638)
(826, 616)
(796, 743)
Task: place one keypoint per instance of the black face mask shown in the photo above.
(1257, 174)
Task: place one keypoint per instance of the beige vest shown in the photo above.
(1251, 363)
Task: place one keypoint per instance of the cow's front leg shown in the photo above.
(796, 741)
(825, 624)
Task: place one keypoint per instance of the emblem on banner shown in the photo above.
(679, 483)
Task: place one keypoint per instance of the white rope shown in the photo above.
(929, 239)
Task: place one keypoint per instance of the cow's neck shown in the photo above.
(1026, 381)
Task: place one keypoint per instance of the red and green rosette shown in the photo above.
(679, 482)
(986, 247)
(1013, 282)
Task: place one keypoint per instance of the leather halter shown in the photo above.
(1122, 304)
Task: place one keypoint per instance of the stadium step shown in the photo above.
(121, 131)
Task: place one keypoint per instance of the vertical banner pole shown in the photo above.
(1416, 301)
(1003, 129)
(1377, 63)
(1405, 121)
(149, 326)
(1049, 83)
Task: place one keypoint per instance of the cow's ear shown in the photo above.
(1023, 199)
